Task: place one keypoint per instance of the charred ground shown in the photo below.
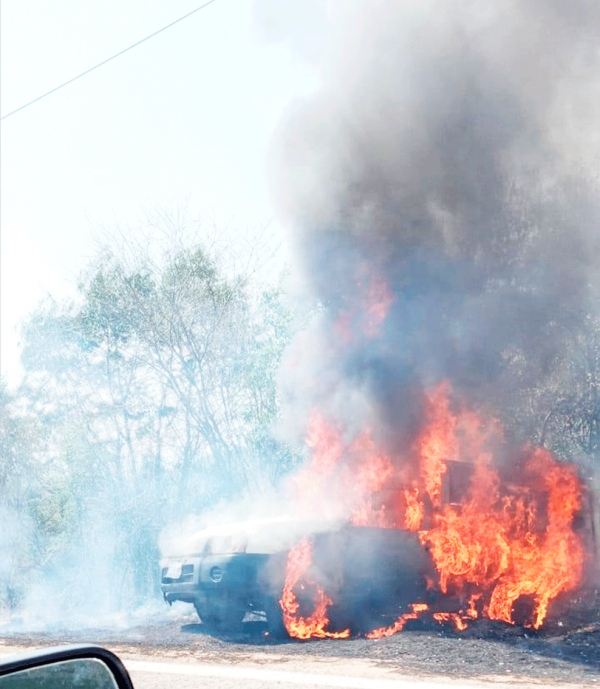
(567, 649)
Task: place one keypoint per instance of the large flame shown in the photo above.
(500, 541)
(298, 575)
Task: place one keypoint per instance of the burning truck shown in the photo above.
(243, 567)
(442, 197)
(449, 536)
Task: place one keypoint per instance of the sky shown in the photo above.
(186, 118)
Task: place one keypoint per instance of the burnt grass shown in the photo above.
(566, 649)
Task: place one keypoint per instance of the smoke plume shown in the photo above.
(441, 192)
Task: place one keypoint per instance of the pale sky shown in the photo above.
(188, 115)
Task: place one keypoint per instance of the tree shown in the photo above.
(157, 393)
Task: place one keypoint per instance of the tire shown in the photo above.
(221, 616)
(275, 619)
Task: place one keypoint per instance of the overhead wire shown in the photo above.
(100, 64)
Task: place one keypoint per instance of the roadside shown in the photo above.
(485, 652)
(156, 671)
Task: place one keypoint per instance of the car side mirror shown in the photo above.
(65, 667)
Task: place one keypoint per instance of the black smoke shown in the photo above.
(450, 153)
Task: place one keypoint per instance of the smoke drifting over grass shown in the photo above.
(148, 399)
(449, 156)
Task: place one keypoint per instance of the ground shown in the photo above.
(486, 651)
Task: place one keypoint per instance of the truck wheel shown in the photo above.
(222, 617)
(275, 619)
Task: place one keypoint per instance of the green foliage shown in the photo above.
(20, 441)
(156, 394)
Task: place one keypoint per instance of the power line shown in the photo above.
(91, 69)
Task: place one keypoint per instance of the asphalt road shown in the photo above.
(152, 671)
(159, 675)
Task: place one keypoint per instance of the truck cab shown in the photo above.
(238, 568)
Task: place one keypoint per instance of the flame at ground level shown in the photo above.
(312, 626)
(507, 536)
(398, 626)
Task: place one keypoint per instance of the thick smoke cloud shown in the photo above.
(448, 157)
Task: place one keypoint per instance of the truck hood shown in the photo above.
(261, 536)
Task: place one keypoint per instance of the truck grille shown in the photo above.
(187, 574)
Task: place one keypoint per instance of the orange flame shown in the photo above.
(437, 442)
(459, 624)
(327, 447)
(297, 575)
(416, 610)
(494, 542)
(415, 510)
(498, 539)
(374, 302)
(373, 471)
